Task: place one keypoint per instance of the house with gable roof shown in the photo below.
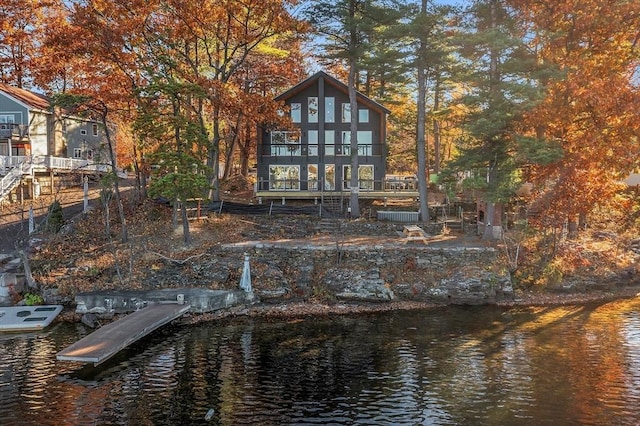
(314, 156)
(38, 142)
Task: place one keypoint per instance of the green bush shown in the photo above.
(31, 299)
(55, 219)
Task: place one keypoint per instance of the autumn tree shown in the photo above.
(20, 28)
(591, 106)
(97, 109)
(178, 178)
(210, 42)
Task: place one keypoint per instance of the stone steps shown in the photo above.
(329, 226)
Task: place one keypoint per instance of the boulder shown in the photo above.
(472, 286)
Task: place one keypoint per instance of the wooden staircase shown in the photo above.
(332, 206)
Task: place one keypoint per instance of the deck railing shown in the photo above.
(14, 167)
(12, 179)
(314, 150)
(390, 185)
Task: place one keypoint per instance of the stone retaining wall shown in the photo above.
(465, 275)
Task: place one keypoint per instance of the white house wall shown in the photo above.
(38, 133)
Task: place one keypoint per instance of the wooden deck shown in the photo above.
(106, 341)
(310, 195)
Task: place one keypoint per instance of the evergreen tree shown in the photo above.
(347, 28)
(431, 61)
(501, 84)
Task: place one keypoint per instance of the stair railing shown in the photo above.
(12, 179)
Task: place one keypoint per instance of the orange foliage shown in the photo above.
(592, 103)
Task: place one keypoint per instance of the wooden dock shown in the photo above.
(106, 341)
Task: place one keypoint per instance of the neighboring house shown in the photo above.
(633, 179)
(36, 138)
(314, 156)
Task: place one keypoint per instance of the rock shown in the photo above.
(359, 285)
(90, 320)
(270, 294)
(472, 286)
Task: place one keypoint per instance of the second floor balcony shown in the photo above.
(14, 131)
(314, 150)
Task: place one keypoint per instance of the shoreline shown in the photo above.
(301, 310)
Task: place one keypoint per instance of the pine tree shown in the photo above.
(348, 28)
(501, 85)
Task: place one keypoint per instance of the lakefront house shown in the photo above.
(313, 157)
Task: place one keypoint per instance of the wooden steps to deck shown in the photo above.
(106, 341)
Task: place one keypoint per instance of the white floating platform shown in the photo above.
(27, 318)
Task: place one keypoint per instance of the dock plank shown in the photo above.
(106, 341)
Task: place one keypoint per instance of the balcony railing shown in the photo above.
(11, 130)
(312, 150)
(52, 163)
(385, 185)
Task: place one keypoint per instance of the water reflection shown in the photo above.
(560, 365)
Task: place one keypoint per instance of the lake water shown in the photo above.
(451, 366)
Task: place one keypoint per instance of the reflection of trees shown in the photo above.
(456, 365)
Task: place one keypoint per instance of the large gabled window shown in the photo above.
(312, 177)
(329, 177)
(346, 113)
(365, 177)
(296, 112)
(329, 110)
(312, 109)
(284, 178)
(363, 115)
(312, 143)
(285, 143)
(365, 142)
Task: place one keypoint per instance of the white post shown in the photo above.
(245, 280)
(32, 226)
(85, 198)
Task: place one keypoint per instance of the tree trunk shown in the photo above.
(185, 225)
(436, 127)
(354, 202)
(116, 185)
(421, 129)
(213, 160)
(245, 150)
(31, 283)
